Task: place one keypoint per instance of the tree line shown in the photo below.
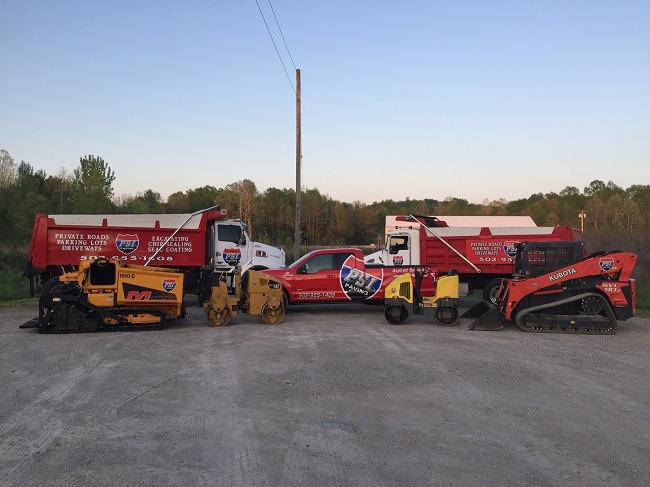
(612, 212)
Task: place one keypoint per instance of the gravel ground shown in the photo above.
(332, 396)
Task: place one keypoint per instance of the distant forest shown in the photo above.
(611, 211)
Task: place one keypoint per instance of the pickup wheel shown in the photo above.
(285, 299)
(491, 290)
(395, 315)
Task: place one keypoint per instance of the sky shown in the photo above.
(480, 100)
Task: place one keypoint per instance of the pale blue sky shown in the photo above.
(425, 99)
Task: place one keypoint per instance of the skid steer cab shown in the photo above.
(223, 293)
(403, 299)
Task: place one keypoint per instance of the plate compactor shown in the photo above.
(108, 294)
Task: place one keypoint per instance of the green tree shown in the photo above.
(93, 184)
(178, 202)
(7, 169)
(596, 213)
(202, 198)
(241, 198)
(275, 216)
(60, 191)
(28, 199)
(147, 202)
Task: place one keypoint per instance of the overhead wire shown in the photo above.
(282, 34)
(274, 44)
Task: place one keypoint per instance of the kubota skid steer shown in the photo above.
(555, 290)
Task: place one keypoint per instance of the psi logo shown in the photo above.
(232, 256)
(126, 243)
(169, 284)
(357, 283)
(510, 248)
(606, 263)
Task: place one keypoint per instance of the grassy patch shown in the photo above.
(13, 286)
(19, 303)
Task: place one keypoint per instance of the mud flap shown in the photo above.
(487, 318)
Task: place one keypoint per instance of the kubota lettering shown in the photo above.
(560, 275)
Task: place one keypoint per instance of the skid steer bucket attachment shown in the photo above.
(486, 318)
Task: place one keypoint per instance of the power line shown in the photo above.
(283, 39)
(276, 47)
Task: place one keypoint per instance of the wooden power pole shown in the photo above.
(296, 247)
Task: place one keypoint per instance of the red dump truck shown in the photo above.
(185, 242)
(481, 255)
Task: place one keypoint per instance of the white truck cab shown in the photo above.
(233, 246)
(401, 247)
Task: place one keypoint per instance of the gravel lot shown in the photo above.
(332, 396)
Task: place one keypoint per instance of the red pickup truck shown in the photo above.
(340, 275)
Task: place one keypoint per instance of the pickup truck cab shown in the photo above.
(340, 275)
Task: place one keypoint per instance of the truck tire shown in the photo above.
(491, 289)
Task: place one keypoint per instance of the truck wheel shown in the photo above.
(447, 315)
(491, 290)
(395, 315)
(285, 299)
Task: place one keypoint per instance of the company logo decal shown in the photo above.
(126, 243)
(140, 293)
(606, 263)
(232, 256)
(510, 248)
(169, 284)
(357, 283)
(398, 260)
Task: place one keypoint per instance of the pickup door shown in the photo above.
(317, 279)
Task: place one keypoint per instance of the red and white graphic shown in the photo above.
(510, 248)
(232, 256)
(606, 263)
(359, 282)
(169, 284)
(126, 242)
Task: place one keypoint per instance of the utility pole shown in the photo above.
(582, 215)
(296, 246)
